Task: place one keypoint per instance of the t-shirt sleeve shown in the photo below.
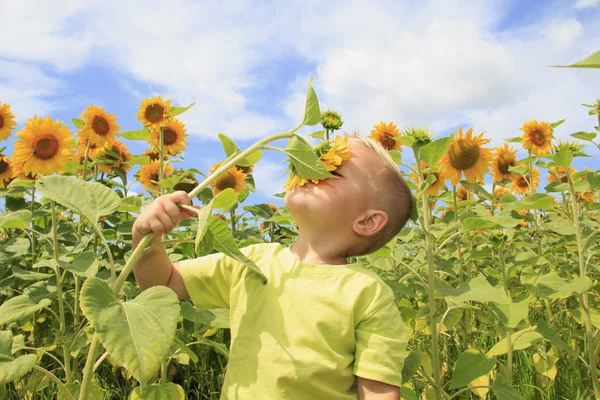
(381, 340)
(209, 279)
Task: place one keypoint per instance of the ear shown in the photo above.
(370, 223)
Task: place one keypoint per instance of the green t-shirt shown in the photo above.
(307, 332)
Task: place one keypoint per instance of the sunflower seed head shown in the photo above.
(331, 120)
(421, 135)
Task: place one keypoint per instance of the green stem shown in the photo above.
(509, 348)
(161, 150)
(33, 242)
(435, 353)
(113, 273)
(61, 306)
(53, 377)
(591, 342)
(88, 370)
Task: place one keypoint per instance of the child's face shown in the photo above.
(336, 202)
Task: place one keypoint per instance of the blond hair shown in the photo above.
(391, 194)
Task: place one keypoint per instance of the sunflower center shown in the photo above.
(114, 157)
(100, 126)
(227, 181)
(504, 162)
(45, 146)
(538, 138)
(388, 142)
(1, 121)
(169, 137)
(3, 164)
(154, 113)
(463, 154)
(522, 182)
(154, 176)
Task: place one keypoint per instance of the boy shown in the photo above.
(320, 328)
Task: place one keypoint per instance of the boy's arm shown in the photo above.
(155, 267)
(369, 389)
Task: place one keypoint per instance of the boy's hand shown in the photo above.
(162, 215)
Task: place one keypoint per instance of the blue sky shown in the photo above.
(246, 64)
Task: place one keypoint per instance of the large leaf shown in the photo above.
(95, 392)
(230, 148)
(432, 153)
(85, 264)
(592, 61)
(505, 393)
(477, 289)
(305, 161)
(174, 110)
(312, 112)
(471, 365)
(552, 286)
(471, 223)
(12, 368)
(225, 199)
(512, 313)
(142, 134)
(478, 190)
(549, 334)
(166, 391)
(138, 333)
(541, 201)
(20, 307)
(560, 225)
(520, 340)
(16, 219)
(225, 243)
(90, 199)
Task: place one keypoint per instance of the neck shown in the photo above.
(318, 249)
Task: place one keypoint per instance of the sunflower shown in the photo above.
(537, 137)
(296, 180)
(188, 184)
(99, 126)
(521, 183)
(462, 194)
(149, 172)
(232, 178)
(173, 137)
(505, 157)
(500, 191)
(465, 154)
(94, 151)
(331, 120)
(272, 207)
(435, 187)
(587, 197)
(7, 121)
(385, 134)
(339, 152)
(154, 155)
(5, 171)
(17, 172)
(44, 147)
(154, 112)
(560, 174)
(119, 154)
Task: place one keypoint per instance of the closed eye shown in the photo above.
(334, 173)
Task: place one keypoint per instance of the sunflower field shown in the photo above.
(498, 287)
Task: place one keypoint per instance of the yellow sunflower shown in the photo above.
(154, 112)
(173, 137)
(99, 126)
(462, 194)
(5, 171)
(149, 173)
(521, 183)
(44, 147)
(121, 155)
(296, 180)
(94, 151)
(273, 207)
(433, 189)
(500, 191)
(559, 174)
(339, 152)
(537, 137)
(7, 121)
(465, 154)
(17, 172)
(384, 134)
(587, 197)
(154, 155)
(232, 178)
(505, 157)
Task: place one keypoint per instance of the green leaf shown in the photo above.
(471, 223)
(169, 183)
(318, 135)
(557, 123)
(396, 156)
(512, 313)
(175, 111)
(588, 136)
(404, 140)
(516, 139)
(16, 219)
(225, 243)
(563, 158)
(95, 392)
(560, 225)
(518, 169)
(594, 180)
(432, 153)
(312, 112)
(592, 61)
(520, 340)
(544, 329)
(412, 362)
(477, 289)
(85, 264)
(414, 211)
(12, 368)
(505, 393)
(552, 286)
(142, 134)
(131, 204)
(166, 391)
(19, 307)
(305, 161)
(90, 199)
(137, 333)
(225, 199)
(230, 148)
(470, 365)
(78, 123)
(136, 161)
(480, 191)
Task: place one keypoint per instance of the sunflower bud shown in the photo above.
(421, 136)
(568, 146)
(331, 120)
(498, 236)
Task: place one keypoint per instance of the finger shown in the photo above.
(172, 211)
(165, 220)
(157, 227)
(180, 197)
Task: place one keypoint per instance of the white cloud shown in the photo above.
(586, 3)
(268, 178)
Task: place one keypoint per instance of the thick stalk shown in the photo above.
(88, 370)
(113, 274)
(509, 331)
(589, 331)
(61, 306)
(435, 353)
(161, 149)
(33, 243)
